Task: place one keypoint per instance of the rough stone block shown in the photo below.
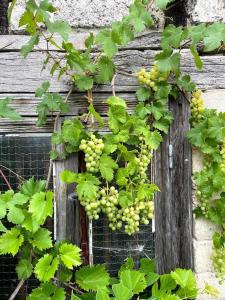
(202, 254)
(89, 13)
(203, 230)
(206, 10)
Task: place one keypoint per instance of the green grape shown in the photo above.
(218, 259)
(152, 77)
(92, 207)
(93, 150)
(143, 160)
(196, 105)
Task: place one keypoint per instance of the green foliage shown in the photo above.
(8, 112)
(120, 179)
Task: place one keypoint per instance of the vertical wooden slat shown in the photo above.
(174, 202)
(3, 16)
(67, 208)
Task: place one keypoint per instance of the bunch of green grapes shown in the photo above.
(218, 259)
(92, 207)
(222, 152)
(92, 148)
(135, 215)
(203, 203)
(152, 77)
(143, 160)
(196, 106)
(109, 205)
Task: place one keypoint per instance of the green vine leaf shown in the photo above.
(27, 48)
(107, 166)
(11, 241)
(133, 280)
(42, 239)
(214, 36)
(70, 255)
(41, 206)
(162, 4)
(8, 112)
(60, 27)
(121, 292)
(143, 93)
(32, 186)
(47, 291)
(92, 278)
(87, 186)
(24, 269)
(46, 267)
(106, 69)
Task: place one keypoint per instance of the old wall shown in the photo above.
(86, 15)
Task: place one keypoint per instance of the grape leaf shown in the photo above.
(41, 206)
(105, 70)
(87, 186)
(143, 93)
(2, 227)
(102, 295)
(46, 267)
(11, 241)
(42, 239)
(61, 27)
(92, 278)
(70, 255)
(15, 215)
(133, 280)
(68, 176)
(185, 278)
(24, 269)
(27, 48)
(162, 4)
(84, 83)
(121, 292)
(106, 166)
(97, 116)
(214, 35)
(47, 291)
(198, 61)
(8, 112)
(32, 186)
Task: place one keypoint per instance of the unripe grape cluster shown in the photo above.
(132, 217)
(218, 259)
(92, 148)
(152, 77)
(143, 160)
(92, 207)
(203, 203)
(138, 213)
(196, 106)
(222, 152)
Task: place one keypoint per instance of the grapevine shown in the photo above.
(116, 180)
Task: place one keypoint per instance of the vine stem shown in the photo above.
(6, 180)
(55, 128)
(113, 84)
(16, 291)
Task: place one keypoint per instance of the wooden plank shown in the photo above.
(181, 185)
(26, 104)
(24, 75)
(66, 208)
(145, 40)
(174, 203)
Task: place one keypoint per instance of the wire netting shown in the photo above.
(112, 248)
(21, 156)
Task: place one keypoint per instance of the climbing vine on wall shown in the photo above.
(116, 180)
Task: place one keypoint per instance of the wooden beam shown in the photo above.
(173, 170)
(27, 75)
(67, 225)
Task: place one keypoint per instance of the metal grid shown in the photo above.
(26, 156)
(112, 248)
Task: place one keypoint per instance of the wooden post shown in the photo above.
(67, 221)
(173, 205)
